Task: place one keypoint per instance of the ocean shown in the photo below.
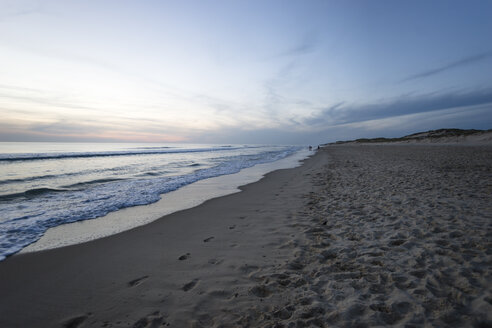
(45, 185)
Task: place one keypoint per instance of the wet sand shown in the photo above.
(359, 235)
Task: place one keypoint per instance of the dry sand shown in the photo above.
(357, 236)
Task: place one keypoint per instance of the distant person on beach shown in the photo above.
(310, 148)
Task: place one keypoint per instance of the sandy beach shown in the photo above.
(359, 235)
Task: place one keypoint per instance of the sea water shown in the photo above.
(45, 185)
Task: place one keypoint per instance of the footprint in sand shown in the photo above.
(261, 291)
(184, 257)
(152, 320)
(136, 282)
(396, 242)
(248, 269)
(221, 294)
(215, 261)
(190, 285)
(75, 321)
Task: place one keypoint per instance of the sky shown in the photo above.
(261, 72)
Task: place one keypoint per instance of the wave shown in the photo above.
(31, 193)
(28, 179)
(163, 147)
(160, 150)
(63, 175)
(152, 174)
(91, 182)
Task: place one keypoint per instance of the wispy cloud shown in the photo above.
(52, 102)
(276, 88)
(19, 9)
(340, 113)
(327, 112)
(306, 45)
(56, 128)
(462, 62)
(453, 117)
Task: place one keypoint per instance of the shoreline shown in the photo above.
(356, 236)
(186, 197)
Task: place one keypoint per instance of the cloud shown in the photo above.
(63, 129)
(342, 114)
(468, 117)
(462, 62)
(418, 121)
(13, 9)
(51, 102)
(329, 111)
(306, 45)
(277, 89)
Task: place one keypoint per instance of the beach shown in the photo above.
(359, 235)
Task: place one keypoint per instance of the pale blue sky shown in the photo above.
(242, 71)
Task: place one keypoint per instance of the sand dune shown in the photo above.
(439, 137)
